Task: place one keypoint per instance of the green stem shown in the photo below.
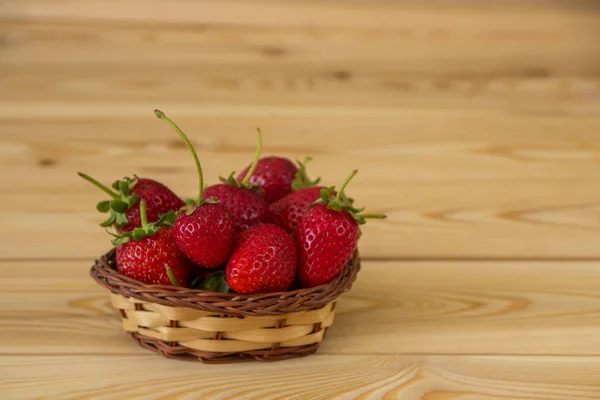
(379, 216)
(143, 215)
(162, 116)
(171, 276)
(256, 157)
(98, 185)
(348, 179)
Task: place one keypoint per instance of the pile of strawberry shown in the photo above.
(267, 230)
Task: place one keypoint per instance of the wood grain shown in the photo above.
(469, 67)
(532, 183)
(474, 126)
(316, 377)
(545, 308)
(506, 112)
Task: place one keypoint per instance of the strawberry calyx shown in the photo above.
(301, 179)
(122, 199)
(147, 228)
(245, 183)
(341, 202)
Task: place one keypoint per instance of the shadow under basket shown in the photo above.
(199, 325)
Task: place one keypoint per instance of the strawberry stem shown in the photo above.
(338, 197)
(256, 157)
(143, 215)
(98, 185)
(161, 115)
(171, 276)
(379, 216)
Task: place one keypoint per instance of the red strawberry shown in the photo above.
(242, 199)
(148, 253)
(278, 176)
(327, 236)
(247, 207)
(264, 260)
(289, 210)
(125, 204)
(204, 231)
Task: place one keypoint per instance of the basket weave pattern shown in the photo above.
(223, 327)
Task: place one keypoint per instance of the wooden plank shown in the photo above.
(316, 377)
(474, 185)
(545, 308)
(309, 14)
(468, 66)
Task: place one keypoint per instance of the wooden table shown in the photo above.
(475, 127)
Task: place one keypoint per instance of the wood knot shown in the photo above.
(46, 162)
(342, 75)
(273, 51)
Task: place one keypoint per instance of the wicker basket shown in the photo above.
(198, 325)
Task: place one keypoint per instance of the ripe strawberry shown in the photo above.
(125, 204)
(264, 260)
(204, 231)
(242, 199)
(327, 236)
(289, 210)
(247, 207)
(149, 253)
(278, 176)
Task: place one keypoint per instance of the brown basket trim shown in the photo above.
(187, 354)
(226, 304)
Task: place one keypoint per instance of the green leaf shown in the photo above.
(231, 179)
(115, 185)
(138, 234)
(334, 205)
(195, 280)
(167, 219)
(109, 222)
(347, 200)
(301, 179)
(112, 234)
(324, 195)
(103, 206)
(118, 206)
(132, 200)
(356, 210)
(216, 282)
(120, 240)
(124, 188)
(121, 220)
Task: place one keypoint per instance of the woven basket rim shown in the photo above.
(230, 304)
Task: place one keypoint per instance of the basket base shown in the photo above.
(186, 354)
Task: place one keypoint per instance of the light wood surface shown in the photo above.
(475, 127)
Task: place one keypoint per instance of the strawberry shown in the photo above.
(278, 176)
(204, 230)
(149, 253)
(327, 236)
(243, 200)
(264, 260)
(289, 210)
(247, 207)
(125, 204)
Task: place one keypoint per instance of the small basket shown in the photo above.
(199, 325)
